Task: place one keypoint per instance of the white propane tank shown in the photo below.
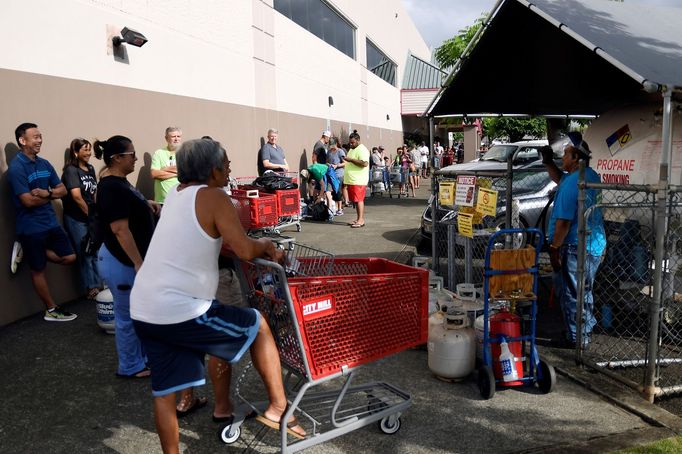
(440, 299)
(470, 297)
(105, 311)
(451, 346)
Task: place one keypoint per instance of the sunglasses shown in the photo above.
(127, 152)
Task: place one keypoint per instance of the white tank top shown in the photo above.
(179, 277)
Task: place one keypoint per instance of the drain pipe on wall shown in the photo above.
(434, 252)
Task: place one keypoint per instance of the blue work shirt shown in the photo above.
(24, 175)
(566, 207)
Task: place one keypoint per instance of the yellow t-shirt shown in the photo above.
(355, 174)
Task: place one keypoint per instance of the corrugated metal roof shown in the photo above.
(421, 74)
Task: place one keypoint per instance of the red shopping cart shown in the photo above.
(324, 316)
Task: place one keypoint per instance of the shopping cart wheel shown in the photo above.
(390, 424)
(229, 435)
(298, 227)
(548, 380)
(486, 382)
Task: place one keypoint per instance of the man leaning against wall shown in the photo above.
(34, 184)
(163, 169)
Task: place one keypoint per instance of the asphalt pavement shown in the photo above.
(60, 394)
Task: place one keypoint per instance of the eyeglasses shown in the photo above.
(127, 152)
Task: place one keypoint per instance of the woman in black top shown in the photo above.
(79, 205)
(127, 222)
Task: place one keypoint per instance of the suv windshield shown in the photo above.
(524, 182)
(499, 153)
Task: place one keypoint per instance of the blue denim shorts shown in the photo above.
(176, 352)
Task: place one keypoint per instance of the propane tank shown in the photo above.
(451, 346)
(505, 325)
(439, 299)
(105, 311)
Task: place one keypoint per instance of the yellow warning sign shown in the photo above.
(465, 224)
(487, 202)
(446, 193)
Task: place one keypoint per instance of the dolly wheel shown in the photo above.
(390, 425)
(547, 380)
(486, 382)
(228, 438)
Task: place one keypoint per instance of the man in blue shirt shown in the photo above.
(563, 235)
(34, 184)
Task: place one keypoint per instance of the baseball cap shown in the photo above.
(326, 133)
(381, 147)
(576, 140)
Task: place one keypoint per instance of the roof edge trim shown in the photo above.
(591, 46)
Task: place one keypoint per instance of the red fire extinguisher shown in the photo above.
(507, 325)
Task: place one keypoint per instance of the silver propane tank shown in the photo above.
(451, 345)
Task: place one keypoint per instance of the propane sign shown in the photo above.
(464, 195)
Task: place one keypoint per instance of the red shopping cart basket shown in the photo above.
(288, 202)
(368, 308)
(255, 212)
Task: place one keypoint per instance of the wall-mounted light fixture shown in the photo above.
(331, 101)
(387, 117)
(129, 36)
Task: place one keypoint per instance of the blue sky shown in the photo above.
(438, 20)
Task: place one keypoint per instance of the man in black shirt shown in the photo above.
(320, 148)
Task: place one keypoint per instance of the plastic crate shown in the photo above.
(288, 202)
(255, 212)
(365, 310)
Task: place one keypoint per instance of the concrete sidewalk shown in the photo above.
(60, 393)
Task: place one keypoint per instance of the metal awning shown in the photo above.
(565, 57)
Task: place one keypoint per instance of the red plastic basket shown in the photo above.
(367, 309)
(255, 212)
(288, 202)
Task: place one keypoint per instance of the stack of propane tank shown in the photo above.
(456, 330)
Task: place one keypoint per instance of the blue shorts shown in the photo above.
(176, 352)
(35, 245)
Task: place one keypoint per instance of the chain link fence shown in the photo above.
(523, 200)
(632, 328)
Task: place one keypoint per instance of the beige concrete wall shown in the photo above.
(67, 108)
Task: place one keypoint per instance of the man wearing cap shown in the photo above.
(320, 148)
(563, 235)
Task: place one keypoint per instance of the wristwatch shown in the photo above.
(49, 193)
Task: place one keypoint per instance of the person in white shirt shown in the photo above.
(173, 305)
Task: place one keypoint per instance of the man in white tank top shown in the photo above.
(173, 304)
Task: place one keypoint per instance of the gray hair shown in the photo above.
(172, 129)
(272, 131)
(333, 142)
(197, 158)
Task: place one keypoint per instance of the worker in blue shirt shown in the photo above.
(563, 236)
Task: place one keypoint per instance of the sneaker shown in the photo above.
(17, 255)
(339, 212)
(57, 314)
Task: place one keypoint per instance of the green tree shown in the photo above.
(449, 52)
(514, 128)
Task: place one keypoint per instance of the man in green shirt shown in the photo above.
(163, 168)
(356, 176)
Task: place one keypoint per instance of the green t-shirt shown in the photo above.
(162, 158)
(317, 171)
(355, 174)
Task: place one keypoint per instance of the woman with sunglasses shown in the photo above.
(127, 224)
(79, 205)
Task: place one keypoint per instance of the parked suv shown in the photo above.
(533, 189)
(524, 153)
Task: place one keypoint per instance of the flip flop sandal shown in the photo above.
(229, 419)
(145, 374)
(357, 226)
(276, 425)
(199, 403)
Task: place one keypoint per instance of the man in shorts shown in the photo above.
(356, 177)
(173, 303)
(34, 184)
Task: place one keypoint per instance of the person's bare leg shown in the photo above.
(167, 423)
(42, 289)
(345, 196)
(360, 207)
(265, 359)
(220, 372)
(186, 399)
